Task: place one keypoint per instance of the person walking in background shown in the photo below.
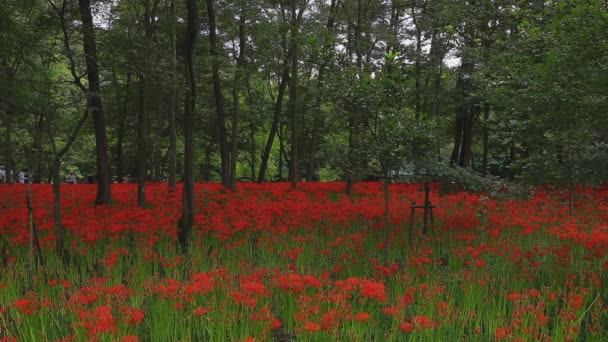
(21, 177)
(2, 174)
(71, 178)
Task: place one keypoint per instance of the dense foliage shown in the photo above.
(352, 89)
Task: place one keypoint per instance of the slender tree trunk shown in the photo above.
(8, 122)
(171, 103)
(121, 131)
(187, 219)
(252, 139)
(294, 168)
(467, 139)
(207, 169)
(95, 104)
(59, 248)
(56, 178)
(281, 151)
(317, 120)
(418, 64)
(238, 78)
(486, 138)
(571, 196)
(142, 131)
(158, 165)
(38, 152)
(457, 141)
(219, 99)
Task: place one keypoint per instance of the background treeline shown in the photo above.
(297, 90)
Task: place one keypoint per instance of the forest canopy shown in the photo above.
(298, 90)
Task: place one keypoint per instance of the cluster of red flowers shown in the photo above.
(328, 263)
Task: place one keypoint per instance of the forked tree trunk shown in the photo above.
(278, 108)
(58, 155)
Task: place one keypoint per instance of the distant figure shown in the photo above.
(21, 177)
(2, 174)
(71, 178)
(26, 176)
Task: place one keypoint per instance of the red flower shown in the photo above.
(501, 333)
(407, 327)
(199, 311)
(422, 322)
(373, 290)
(312, 326)
(130, 338)
(134, 316)
(362, 316)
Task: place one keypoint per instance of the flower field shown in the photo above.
(272, 264)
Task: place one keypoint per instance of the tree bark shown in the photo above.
(8, 122)
(238, 78)
(317, 120)
(56, 179)
(187, 219)
(95, 104)
(294, 168)
(142, 131)
(171, 103)
(158, 165)
(278, 108)
(219, 99)
(486, 138)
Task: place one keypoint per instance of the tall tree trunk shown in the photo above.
(9, 109)
(121, 129)
(219, 99)
(294, 168)
(95, 104)
(171, 104)
(458, 128)
(187, 219)
(418, 64)
(486, 138)
(142, 131)
(317, 120)
(252, 139)
(466, 151)
(465, 110)
(281, 151)
(238, 78)
(158, 165)
(56, 178)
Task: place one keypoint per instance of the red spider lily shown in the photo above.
(362, 316)
(133, 316)
(501, 334)
(25, 306)
(312, 326)
(98, 321)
